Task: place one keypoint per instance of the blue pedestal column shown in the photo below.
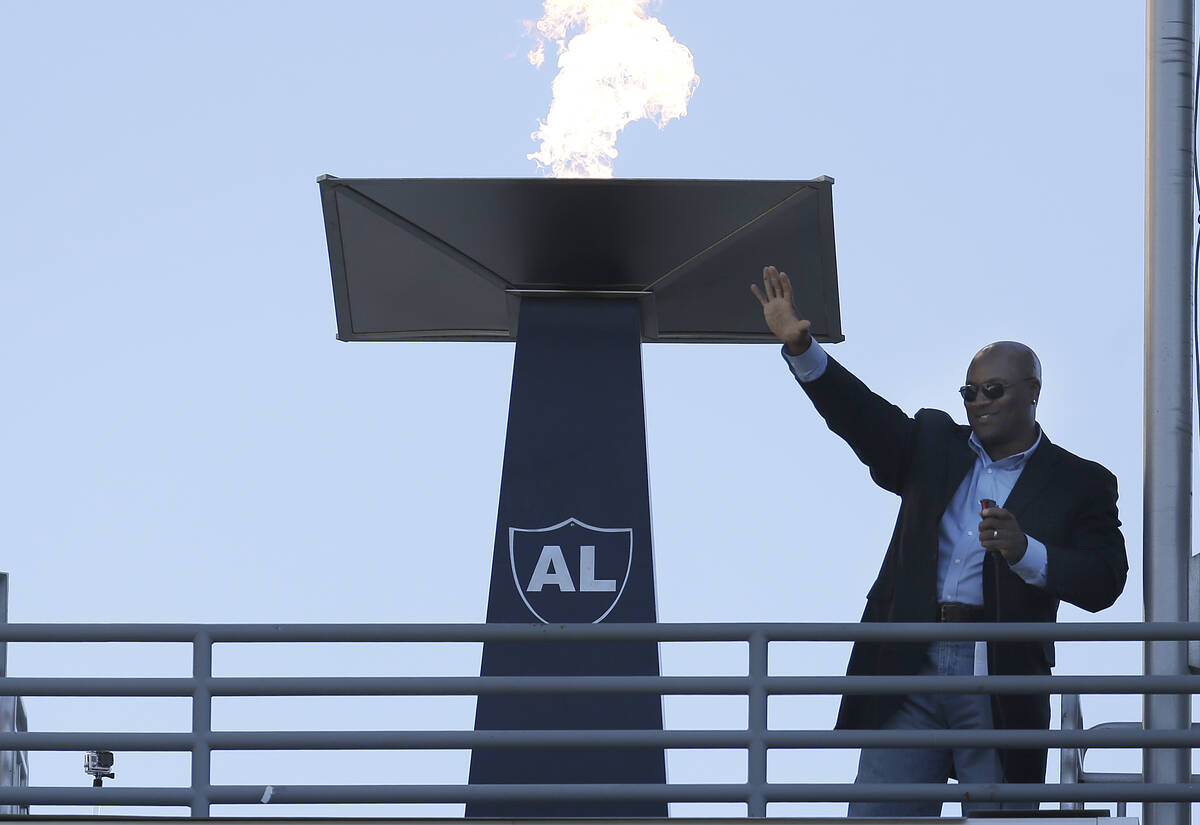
(573, 545)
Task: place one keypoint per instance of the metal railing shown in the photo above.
(1071, 770)
(757, 739)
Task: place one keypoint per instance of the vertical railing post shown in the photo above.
(10, 710)
(201, 724)
(756, 773)
(1070, 759)
(4, 619)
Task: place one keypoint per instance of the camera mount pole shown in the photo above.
(1167, 503)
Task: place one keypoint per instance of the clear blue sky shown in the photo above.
(185, 440)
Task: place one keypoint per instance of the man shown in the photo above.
(996, 523)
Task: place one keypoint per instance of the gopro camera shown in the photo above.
(98, 764)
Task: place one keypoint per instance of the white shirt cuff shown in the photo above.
(1032, 566)
(811, 365)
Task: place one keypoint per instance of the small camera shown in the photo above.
(98, 764)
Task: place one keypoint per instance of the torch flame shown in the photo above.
(623, 67)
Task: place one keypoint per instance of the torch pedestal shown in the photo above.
(573, 545)
(579, 273)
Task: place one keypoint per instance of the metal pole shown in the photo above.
(1168, 391)
(10, 761)
(202, 652)
(3, 620)
(756, 773)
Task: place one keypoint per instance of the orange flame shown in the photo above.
(623, 67)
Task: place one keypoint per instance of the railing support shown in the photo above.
(201, 725)
(756, 805)
(1070, 759)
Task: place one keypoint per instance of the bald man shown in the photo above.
(996, 524)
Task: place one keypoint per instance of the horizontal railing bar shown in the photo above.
(680, 739)
(527, 685)
(981, 739)
(1011, 792)
(815, 792)
(1109, 777)
(665, 632)
(904, 685)
(36, 795)
(96, 686)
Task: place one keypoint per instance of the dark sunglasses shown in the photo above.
(991, 390)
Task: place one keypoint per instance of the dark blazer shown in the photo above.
(1064, 501)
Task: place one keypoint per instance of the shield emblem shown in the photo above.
(570, 571)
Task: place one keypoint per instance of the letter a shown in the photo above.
(587, 573)
(551, 568)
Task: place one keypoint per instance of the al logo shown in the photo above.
(570, 571)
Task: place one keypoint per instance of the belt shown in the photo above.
(959, 612)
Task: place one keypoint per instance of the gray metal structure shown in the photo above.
(1167, 507)
(757, 738)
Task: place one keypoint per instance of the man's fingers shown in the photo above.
(785, 286)
(771, 282)
(987, 525)
(762, 299)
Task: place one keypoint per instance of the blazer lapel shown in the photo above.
(959, 458)
(1036, 475)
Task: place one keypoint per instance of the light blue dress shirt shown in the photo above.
(960, 555)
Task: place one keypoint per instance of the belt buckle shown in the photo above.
(953, 612)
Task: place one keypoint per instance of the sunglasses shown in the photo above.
(991, 390)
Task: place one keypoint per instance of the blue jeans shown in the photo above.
(934, 712)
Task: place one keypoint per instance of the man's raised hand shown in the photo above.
(776, 299)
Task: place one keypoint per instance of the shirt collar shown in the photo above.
(1012, 462)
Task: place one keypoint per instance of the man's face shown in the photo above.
(1002, 423)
